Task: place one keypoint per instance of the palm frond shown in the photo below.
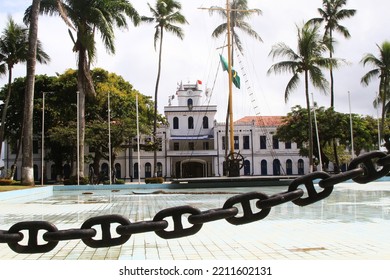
(282, 50)
(366, 79)
(291, 86)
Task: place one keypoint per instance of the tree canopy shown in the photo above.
(331, 125)
(61, 115)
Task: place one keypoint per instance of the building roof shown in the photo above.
(262, 120)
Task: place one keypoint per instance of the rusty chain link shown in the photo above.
(363, 169)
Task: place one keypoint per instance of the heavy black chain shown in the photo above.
(363, 169)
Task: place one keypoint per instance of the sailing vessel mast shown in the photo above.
(234, 161)
(230, 109)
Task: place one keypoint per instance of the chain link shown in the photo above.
(363, 169)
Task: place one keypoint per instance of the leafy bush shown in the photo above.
(73, 181)
(154, 180)
(6, 182)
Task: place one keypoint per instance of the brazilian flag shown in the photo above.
(235, 77)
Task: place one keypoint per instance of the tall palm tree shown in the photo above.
(27, 128)
(307, 61)
(165, 13)
(13, 50)
(381, 70)
(86, 18)
(331, 14)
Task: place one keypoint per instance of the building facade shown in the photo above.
(193, 146)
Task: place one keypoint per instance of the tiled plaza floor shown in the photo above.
(352, 223)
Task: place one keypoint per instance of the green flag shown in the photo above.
(235, 77)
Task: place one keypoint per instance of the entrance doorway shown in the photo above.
(192, 168)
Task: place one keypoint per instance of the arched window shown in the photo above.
(104, 169)
(289, 167)
(118, 172)
(36, 172)
(190, 103)
(148, 170)
(247, 167)
(301, 167)
(190, 123)
(159, 169)
(175, 123)
(205, 122)
(264, 170)
(276, 167)
(136, 171)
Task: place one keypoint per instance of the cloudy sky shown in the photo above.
(197, 56)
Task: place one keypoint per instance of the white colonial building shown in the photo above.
(193, 145)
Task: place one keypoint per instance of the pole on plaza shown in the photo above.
(351, 126)
(78, 138)
(377, 117)
(109, 139)
(316, 128)
(43, 138)
(138, 146)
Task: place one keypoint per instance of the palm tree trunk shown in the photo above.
(155, 105)
(331, 69)
(383, 92)
(310, 122)
(81, 102)
(4, 113)
(334, 142)
(27, 151)
(85, 87)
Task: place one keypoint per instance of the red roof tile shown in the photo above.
(262, 120)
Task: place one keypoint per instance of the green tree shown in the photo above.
(381, 65)
(13, 50)
(122, 116)
(86, 18)
(307, 61)
(295, 129)
(60, 116)
(165, 14)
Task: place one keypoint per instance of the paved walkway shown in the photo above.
(353, 223)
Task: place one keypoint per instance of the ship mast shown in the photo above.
(234, 160)
(230, 109)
